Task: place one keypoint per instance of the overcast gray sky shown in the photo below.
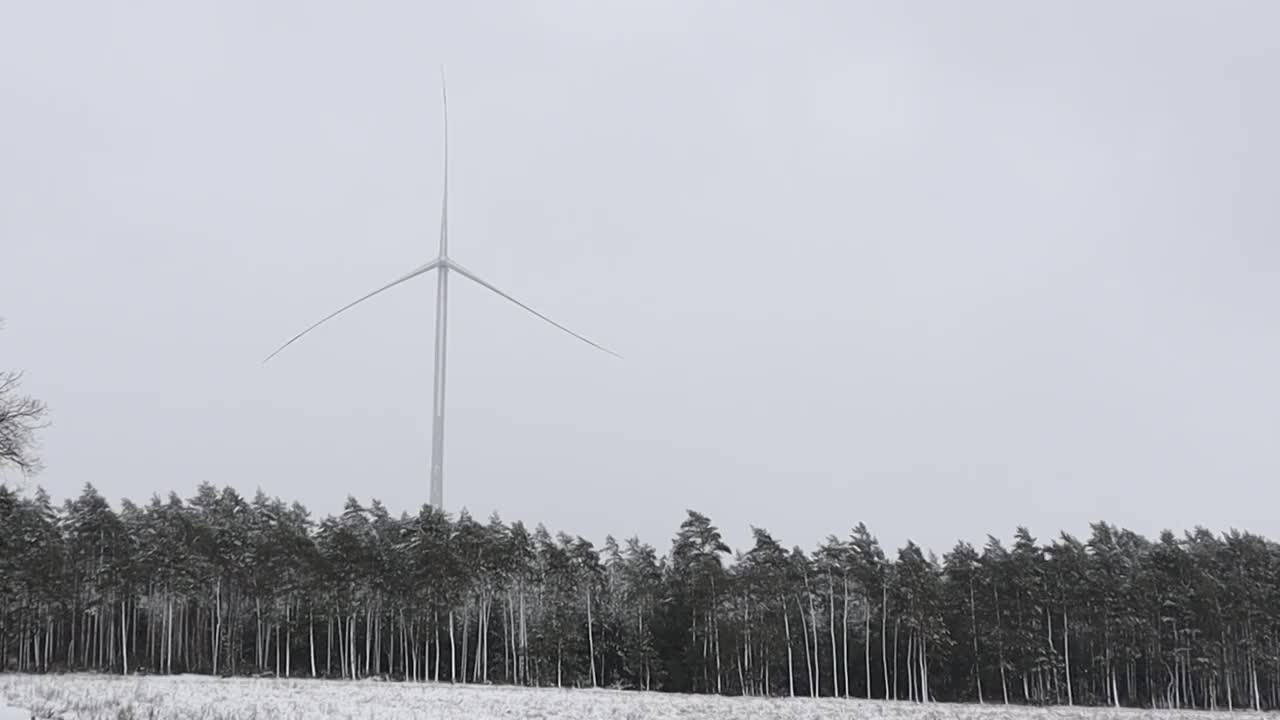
(942, 267)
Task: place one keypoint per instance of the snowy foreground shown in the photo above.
(190, 697)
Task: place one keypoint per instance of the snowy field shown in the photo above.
(94, 697)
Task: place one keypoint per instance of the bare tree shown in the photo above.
(20, 417)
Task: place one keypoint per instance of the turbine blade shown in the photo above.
(424, 269)
(473, 278)
(444, 199)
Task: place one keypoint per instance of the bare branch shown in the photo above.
(20, 417)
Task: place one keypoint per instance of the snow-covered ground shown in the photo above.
(13, 714)
(94, 697)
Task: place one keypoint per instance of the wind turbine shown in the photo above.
(441, 265)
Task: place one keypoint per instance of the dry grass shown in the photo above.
(109, 697)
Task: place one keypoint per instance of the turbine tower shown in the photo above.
(441, 265)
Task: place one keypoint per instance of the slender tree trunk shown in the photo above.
(973, 624)
(352, 653)
(435, 625)
(480, 633)
(4, 637)
(523, 665)
(1110, 671)
(715, 629)
(896, 691)
(466, 633)
(453, 649)
(1226, 666)
(831, 627)
(924, 666)
(766, 670)
(1115, 691)
(866, 638)
(483, 644)
(813, 629)
(368, 637)
(845, 631)
(124, 637)
(742, 658)
(1066, 654)
(911, 668)
(339, 628)
(591, 641)
(168, 658)
(508, 641)
(884, 644)
(215, 623)
(786, 625)
(808, 656)
(1253, 676)
(1004, 680)
(258, 646)
(377, 641)
(311, 640)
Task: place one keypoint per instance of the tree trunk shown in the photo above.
(973, 619)
(808, 656)
(715, 629)
(924, 667)
(124, 637)
(453, 650)
(311, 640)
(896, 691)
(591, 639)
(509, 642)
(911, 668)
(786, 625)
(215, 623)
(740, 659)
(328, 647)
(368, 638)
(866, 638)
(1253, 675)
(524, 639)
(484, 644)
(1004, 680)
(831, 626)
(466, 631)
(884, 635)
(352, 655)
(845, 630)
(168, 661)
(435, 626)
(1066, 654)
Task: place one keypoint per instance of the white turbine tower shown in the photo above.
(441, 265)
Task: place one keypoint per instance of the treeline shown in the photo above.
(223, 585)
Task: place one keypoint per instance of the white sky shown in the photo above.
(944, 268)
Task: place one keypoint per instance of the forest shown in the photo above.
(225, 585)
